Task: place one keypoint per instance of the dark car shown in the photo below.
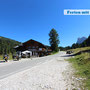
(68, 52)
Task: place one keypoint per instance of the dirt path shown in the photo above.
(56, 74)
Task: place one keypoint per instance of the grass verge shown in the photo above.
(82, 65)
(54, 53)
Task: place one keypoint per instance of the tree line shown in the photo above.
(7, 45)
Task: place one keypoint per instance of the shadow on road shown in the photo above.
(67, 55)
(15, 60)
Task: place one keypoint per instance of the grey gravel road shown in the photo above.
(10, 68)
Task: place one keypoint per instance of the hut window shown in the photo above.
(33, 47)
(40, 49)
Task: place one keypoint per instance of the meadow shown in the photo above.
(81, 63)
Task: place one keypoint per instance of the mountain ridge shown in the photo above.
(81, 40)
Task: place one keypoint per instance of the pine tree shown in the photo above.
(54, 40)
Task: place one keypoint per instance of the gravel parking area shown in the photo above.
(56, 74)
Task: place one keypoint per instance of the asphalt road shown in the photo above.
(10, 68)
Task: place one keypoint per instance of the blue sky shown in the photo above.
(22, 20)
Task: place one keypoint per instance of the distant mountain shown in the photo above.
(86, 42)
(81, 40)
(7, 45)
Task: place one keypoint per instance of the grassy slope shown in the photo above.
(82, 64)
(80, 49)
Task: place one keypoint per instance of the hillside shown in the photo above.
(6, 45)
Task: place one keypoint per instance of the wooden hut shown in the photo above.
(37, 48)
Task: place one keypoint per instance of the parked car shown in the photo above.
(69, 52)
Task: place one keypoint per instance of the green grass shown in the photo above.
(10, 57)
(54, 53)
(82, 65)
(80, 49)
